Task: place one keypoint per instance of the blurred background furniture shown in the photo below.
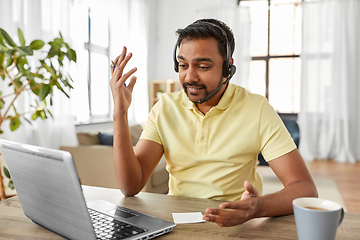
(93, 159)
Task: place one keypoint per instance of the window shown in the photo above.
(98, 60)
(275, 50)
(92, 100)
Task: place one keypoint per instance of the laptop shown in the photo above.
(50, 194)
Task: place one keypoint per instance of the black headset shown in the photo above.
(228, 69)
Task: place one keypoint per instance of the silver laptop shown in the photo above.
(50, 193)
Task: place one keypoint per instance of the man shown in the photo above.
(210, 133)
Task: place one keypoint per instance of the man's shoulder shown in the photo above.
(169, 101)
(172, 98)
(242, 94)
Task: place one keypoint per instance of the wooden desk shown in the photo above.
(15, 225)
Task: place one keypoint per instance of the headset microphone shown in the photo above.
(213, 93)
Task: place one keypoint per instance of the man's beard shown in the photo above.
(186, 85)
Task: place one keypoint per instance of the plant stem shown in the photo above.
(14, 93)
(23, 114)
(12, 102)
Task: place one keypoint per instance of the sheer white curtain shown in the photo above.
(238, 19)
(330, 110)
(137, 43)
(40, 19)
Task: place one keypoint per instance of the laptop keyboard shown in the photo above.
(110, 228)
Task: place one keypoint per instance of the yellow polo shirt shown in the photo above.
(211, 155)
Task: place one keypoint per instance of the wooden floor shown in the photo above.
(346, 177)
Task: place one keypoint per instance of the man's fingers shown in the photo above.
(237, 205)
(127, 75)
(223, 218)
(118, 60)
(250, 188)
(220, 212)
(123, 63)
(121, 57)
(118, 74)
(132, 83)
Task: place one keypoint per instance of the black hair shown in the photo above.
(204, 28)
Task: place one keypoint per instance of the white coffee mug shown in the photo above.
(317, 219)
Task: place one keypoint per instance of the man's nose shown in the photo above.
(191, 75)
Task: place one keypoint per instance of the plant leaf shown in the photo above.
(18, 82)
(34, 88)
(61, 37)
(24, 50)
(34, 116)
(61, 89)
(2, 58)
(6, 172)
(43, 114)
(36, 44)
(10, 53)
(49, 69)
(9, 62)
(11, 184)
(7, 38)
(44, 91)
(15, 124)
(3, 47)
(21, 37)
(2, 104)
(1, 39)
(50, 114)
(27, 120)
(71, 55)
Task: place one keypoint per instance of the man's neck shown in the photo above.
(206, 106)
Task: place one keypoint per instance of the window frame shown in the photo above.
(93, 48)
(266, 58)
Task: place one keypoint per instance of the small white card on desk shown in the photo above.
(193, 217)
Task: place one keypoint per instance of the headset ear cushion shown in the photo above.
(176, 63)
(226, 69)
(232, 70)
(176, 66)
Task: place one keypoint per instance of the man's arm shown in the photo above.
(132, 168)
(293, 173)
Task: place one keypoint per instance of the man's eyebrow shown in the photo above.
(201, 59)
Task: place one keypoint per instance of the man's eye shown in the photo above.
(204, 67)
(182, 65)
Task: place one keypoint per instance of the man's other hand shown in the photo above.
(237, 212)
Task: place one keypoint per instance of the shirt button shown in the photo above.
(202, 138)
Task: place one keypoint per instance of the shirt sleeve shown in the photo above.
(275, 140)
(150, 131)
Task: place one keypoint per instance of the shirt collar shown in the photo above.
(223, 103)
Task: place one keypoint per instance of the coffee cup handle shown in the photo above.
(342, 214)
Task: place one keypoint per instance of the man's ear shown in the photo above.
(232, 61)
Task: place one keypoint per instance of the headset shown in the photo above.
(228, 68)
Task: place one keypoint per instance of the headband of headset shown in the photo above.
(228, 69)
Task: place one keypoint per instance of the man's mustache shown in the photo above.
(185, 85)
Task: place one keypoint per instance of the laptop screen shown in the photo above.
(49, 189)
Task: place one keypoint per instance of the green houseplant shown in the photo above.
(39, 81)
